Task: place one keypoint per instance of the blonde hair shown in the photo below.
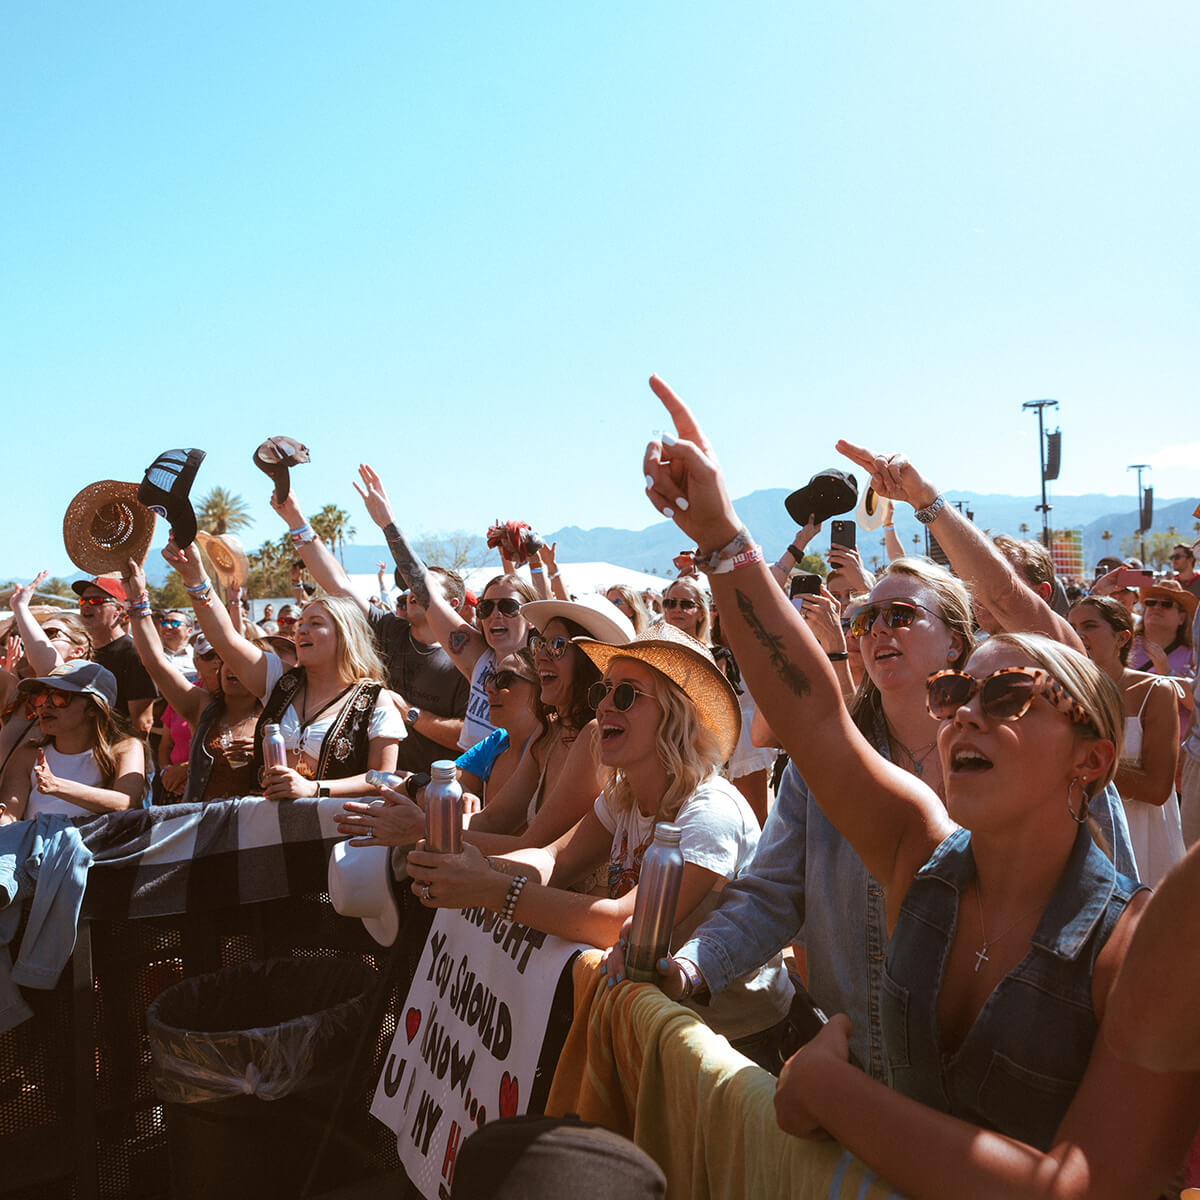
(704, 631)
(356, 658)
(954, 609)
(76, 631)
(635, 606)
(687, 750)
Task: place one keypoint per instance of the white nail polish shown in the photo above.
(682, 503)
(668, 512)
(650, 481)
(668, 440)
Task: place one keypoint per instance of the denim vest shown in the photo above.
(1021, 1062)
(200, 762)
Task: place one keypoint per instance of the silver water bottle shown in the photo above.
(274, 752)
(654, 912)
(382, 779)
(443, 809)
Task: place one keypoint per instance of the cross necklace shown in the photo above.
(981, 955)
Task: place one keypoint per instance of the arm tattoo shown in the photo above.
(409, 562)
(792, 675)
(458, 641)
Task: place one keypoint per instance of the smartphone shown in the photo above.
(1131, 577)
(841, 533)
(805, 583)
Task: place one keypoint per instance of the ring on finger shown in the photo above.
(425, 892)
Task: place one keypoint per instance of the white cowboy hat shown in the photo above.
(360, 885)
(871, 509)
(593, 612)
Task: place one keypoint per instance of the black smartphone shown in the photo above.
(804, 583)
(841, 533)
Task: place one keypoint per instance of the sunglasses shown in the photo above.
(170, 622)
(286, 621)
(50, 696)
(95, 601)
(1154, 602)
(669, 602)
(554, 647)
(54, 632)
(896, 614)
(508, 607)
(501, 681)
(623, 694)
(1005, 695)
(401, 601)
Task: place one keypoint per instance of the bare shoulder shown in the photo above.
(1112, 954)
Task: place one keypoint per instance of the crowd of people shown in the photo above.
(941, 798)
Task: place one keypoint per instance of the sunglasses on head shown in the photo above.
(623, 694)
(500, 681)
(670, 602)
(1005, 695)
(896, 614)
(554, 647)
(508, 607)
(1155, 602)
(95, 601)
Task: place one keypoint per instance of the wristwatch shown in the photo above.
(412, 717)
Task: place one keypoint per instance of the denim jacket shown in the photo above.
(999, 1077)
(806, 883)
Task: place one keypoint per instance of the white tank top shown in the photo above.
(82, 768)
(1131, 752)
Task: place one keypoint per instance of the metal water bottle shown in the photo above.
(443, 809)
(274, 752)
(382, 779)
(654, 913)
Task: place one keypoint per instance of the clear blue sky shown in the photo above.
(454, 240)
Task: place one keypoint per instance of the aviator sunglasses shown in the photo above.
(508, 607)
(554, 647)
(670, 602)
(623, 694)
(896, 614)
(1005, 695)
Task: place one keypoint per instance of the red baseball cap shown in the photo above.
(106, 583)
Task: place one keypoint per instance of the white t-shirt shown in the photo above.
(81, 768)
(476, 725)
(718, 831)
(386, 721)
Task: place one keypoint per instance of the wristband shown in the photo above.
(303, 535)
(691, 973)
(514, 894)
(535, 570)
(929, 513)
(886, 527)
(554, 573)
(198, 589)
(796, 553)
(839, 656)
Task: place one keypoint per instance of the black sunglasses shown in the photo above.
(670, 602)
(508, 607)
(623, 694)
(554, 647)
(896, 614)
(500, 681)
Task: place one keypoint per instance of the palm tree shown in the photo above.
(332, 525)
(1024, 529)
(222, 512)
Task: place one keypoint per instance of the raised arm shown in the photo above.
(793, 555)
(990, 578)
(316, 556)
(248, 661)
(463, 642)
(892, 820)
(188, 700)
(39, 649)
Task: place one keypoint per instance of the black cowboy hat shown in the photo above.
(164, 490)
(825, 495)
(274, 457)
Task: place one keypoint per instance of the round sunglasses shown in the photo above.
(39, 699)
(508, 607)
(1005, 695)
(554, 647)
(623, 694)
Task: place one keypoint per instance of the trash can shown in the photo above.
(248, 1063)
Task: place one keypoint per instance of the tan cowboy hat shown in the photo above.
(687, 663)
(105, 527)
(224, 551)
(1168, 589)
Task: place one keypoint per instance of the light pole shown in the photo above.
(1139, 468)
(1044, 507)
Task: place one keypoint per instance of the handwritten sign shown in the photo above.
(468, 1040)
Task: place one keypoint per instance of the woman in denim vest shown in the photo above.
(1008, 925)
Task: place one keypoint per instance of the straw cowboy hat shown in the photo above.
(105, 527)
(360, 885)
(595, 613)
(227, 556)
(687, 663)
(1168, 589)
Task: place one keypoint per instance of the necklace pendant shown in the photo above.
(981, 956)
(918, 769)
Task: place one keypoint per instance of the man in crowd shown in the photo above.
(1183, 563)
(101, 608)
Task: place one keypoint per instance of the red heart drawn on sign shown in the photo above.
(412, 1022)
(508, 1095)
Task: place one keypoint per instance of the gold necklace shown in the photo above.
(981, 955)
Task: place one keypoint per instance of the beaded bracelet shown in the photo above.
(514, 894)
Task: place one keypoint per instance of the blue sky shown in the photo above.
(455, 240)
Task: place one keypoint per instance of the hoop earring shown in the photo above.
(1085, 800)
